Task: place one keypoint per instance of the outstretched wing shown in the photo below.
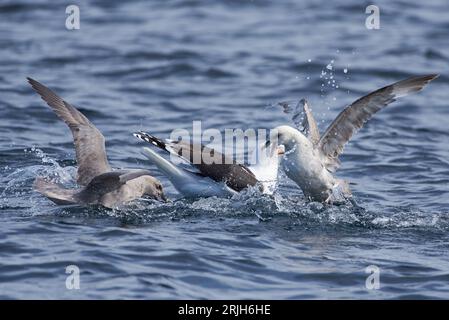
(88, 140)
(295, 113)
(183, 151)
(306, 124)
(309, 123)
(236, 176)
(353, 117)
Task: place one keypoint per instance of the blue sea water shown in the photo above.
(158, 66)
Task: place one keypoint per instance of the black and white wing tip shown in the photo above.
(144, 136)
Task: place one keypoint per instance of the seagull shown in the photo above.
(100, 185)
(222, 179)
(310, 160)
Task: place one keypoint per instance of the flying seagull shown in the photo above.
(310, 160)
(222, 178)
(99, 183)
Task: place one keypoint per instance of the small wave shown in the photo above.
(157, 55)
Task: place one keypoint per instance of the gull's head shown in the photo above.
(288, 138)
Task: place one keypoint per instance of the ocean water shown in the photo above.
(158, 66)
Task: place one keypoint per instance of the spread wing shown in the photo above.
(309, 123)
(353, 117)
(88, 140)
(236, 176)
(306, 124)
(295, 113)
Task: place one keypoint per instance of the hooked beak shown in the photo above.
(162, 198)
(281, 150)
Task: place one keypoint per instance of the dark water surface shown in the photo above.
(159, 65)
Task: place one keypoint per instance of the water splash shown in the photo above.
(18, 193)
(17, 183)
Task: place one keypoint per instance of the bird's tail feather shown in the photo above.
(54, 192)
